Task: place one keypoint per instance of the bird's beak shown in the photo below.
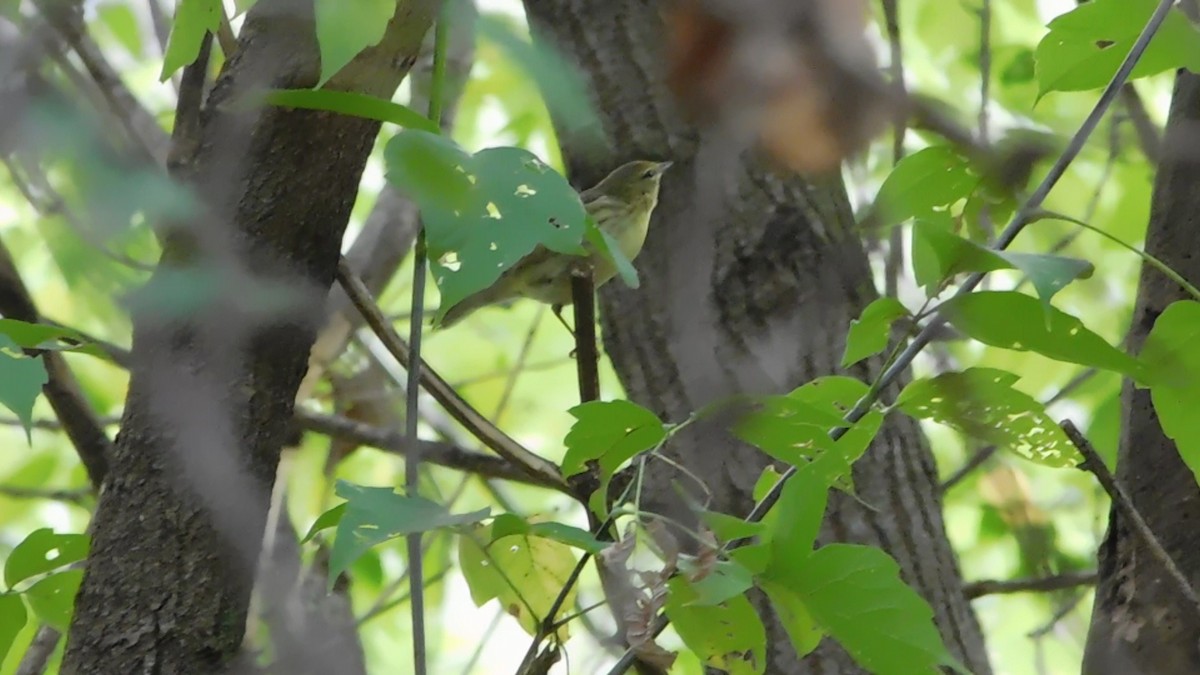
(663, 166)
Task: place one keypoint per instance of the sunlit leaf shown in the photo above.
(193, 18)
(41, 336)
(43, 551)
(482, 212)
(729, 635)
(525, 573)
(346, 27)
(375, 515)
(801, 628)
(868, 333)
(982, 403)
(325, 521)
(923, 181)
(351, 103)
(1012, 320)
(1086, 45)
(120, 20)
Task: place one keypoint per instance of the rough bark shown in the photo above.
(180, 521)
(1140, 622)
(749, 282)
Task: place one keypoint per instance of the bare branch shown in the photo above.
(977, 589)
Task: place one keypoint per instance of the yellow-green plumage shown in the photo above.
(620, 204)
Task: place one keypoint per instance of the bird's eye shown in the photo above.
(649, 173)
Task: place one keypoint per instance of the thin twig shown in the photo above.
(510, 382)
(75, 496)
(587, 357)
(1014, 228)
(479, 426)
(1093, 464)
(977, 589)
(894, 262)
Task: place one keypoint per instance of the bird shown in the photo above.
(621, 206)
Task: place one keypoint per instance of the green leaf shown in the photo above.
(1170, 355)
(604, 243)
(611, 432)
(729, 636)
(526, 573)
(40, 336)
(730, 528)
(793, 533)
(869, 332)
(944, 254)
(926, 180)
(43, 551)
(1086, 45)
(346, 27)
(122, 22)
(795, 428)
(562, 86)
(21, 381)
(571, 536)
(856, 595)
(193, 18)
(1012, 320)
(982, 403)
(482, 212)
(325, 521)
(12, 620)
(801, 628)
(725, 580)
(53, 598)
(352, 103)
(375, 515)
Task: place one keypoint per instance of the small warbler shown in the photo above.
(620, 204)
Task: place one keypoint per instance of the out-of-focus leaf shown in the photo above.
(325, 521)
(40, 336)
(1086, 45)
(12, 620)
(352, 103)
(193, 18)
(375, 515)
(346, 27)
(43, 551)
(982, 403)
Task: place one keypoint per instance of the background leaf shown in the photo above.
(1171, 356)
(927, 179)
(53, 598)
(193, 18)
(346, 27)
(869, 332)
(21, 381)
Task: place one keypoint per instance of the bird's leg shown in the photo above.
(557, 309)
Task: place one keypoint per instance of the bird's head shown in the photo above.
(634, 181)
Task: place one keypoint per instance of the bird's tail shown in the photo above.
(492, 295)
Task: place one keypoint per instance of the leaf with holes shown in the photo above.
(1012, 320)
(43, 551)
(482, 212)
(374, 515)
(1171, 356)
(21, 381)
(729, 635)
(525, 573)
(869, 332)
(193, 18)
(1086, 45)
(855, 594)
(982, 403)
(922, 182)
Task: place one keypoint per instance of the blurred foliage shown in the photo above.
(1009, 518)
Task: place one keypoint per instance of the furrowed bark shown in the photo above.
(749, 282)
(1140, 621)
(180, 521)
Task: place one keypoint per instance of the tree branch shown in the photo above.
(976, 589)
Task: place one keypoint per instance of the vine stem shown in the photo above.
(1023, 217)
(412, 460)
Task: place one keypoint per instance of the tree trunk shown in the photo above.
(1140, 621)
(180, 521)
(749, 282)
